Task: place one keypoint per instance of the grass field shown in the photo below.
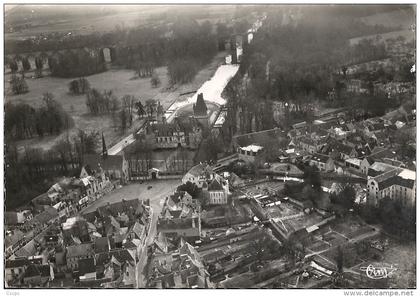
(407, 34)
(126, 16)
(401, 17)
(120, 81)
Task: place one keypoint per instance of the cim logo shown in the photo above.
(379, 271)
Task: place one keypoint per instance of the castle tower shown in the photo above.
(160, 114)
(200, 110)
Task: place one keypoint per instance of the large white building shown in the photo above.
(397, 183)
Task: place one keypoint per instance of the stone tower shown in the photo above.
(160, 114)
(200, 111)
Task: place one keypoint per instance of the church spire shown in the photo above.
(104, 149)
(200, 107)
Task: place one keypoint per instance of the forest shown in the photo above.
(23, 121)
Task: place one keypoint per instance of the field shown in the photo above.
(401, 17)
(407, 34)
(120, 81)
(104, 18)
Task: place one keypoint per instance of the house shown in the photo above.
(76, 230)
(216, 192)
(182, 268)
(30, 248)
(356, 86)
(322, 162)
(87, 269)
(102, 245)
(37, 275)
(13, 218)
(309, 144)
(198, 174)
(15, 268)
(397, 184)
(377, 154)
(378, 168)
(353, 163)
(115, 167)
(13, 239)
(251, 154)
(77, 252)
(134, 208)
(42, 220)
(185, 227)
(92, 182)
(339, 133)
(339, 151)
(117, 268)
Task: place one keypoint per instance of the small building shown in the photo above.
(353, 163)
(198, 174)
(252, 153)
(322, 162)
(217, 192)
(114, 167)
(310, 144)
(38, 275)
(87, 269)
(77, 252)
(15, 268)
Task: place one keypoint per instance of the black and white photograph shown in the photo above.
(209, 145)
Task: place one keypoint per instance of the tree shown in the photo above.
(18, 85)
(13, 66)
(128, 102)
(347, 196)
(124, 118)
(312, 177)
(182, 71)
(211, 147)
(190, 188)
(39, 64)
(150, 107)
(26, 66)
(76, 63)
(99, 103)
(155, 80)
(85, 143)
(79, 86)
(340, 259)
(140, 109)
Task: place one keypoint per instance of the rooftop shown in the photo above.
(252, 148)
(80, 250)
